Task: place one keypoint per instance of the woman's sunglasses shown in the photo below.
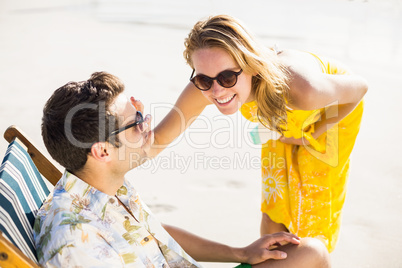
(226, 79)
(138, 120)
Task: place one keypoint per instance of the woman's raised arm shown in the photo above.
(188, 107)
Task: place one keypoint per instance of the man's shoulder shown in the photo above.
(57, 212)
(58, 224)
(55, 203)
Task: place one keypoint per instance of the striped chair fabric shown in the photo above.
(22, 192)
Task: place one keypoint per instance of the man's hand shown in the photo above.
(263, 249)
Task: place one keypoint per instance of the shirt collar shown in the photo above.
(88, 196)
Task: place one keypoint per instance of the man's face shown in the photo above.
(135, 141)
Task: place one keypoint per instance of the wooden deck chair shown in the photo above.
(22, 192)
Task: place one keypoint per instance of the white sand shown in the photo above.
(44, 44)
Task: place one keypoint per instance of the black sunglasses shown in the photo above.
(226, 79)
(138, 120)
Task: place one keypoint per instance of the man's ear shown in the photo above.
(99, 151)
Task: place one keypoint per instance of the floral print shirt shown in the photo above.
(80, 226)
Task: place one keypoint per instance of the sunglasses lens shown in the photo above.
(227, 79)
(202, 82)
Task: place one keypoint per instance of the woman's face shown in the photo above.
(212, 61)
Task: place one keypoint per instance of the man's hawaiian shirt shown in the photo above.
(79, 226)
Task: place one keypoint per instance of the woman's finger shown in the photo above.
(137, 104)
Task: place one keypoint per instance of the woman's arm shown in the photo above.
(312, 89)
(188, 107)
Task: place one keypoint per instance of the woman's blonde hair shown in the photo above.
(269, 82)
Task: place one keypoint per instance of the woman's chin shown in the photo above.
(229, 110)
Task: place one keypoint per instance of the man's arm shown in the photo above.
(205, 250)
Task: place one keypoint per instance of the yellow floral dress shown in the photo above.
(304, 187)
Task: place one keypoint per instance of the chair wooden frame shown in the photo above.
(10, 255)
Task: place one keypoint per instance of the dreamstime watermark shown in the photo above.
(217, 132)
(233, 131)
(202, 161)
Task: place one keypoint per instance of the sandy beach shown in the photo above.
(208, 180)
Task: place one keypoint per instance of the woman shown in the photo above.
(315, 105)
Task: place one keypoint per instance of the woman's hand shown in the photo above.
(291, 140)
(137, 104)
(146, 125)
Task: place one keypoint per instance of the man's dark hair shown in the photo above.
(77, 115)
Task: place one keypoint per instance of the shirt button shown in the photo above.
(146, 239)
(111, 201)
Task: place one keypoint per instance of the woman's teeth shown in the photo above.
(225, 100)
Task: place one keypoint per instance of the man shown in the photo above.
(95, 218)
